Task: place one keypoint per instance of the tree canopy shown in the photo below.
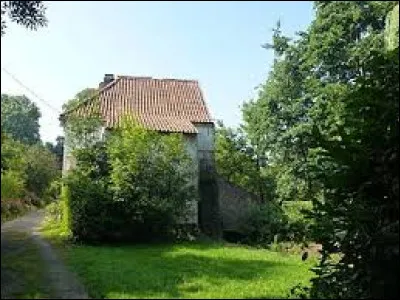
(20, 118)
(328, 118)
(30, 14)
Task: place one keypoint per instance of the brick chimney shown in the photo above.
(107, 79)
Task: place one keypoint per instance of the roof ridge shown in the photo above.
(132, 77)
(152, 78)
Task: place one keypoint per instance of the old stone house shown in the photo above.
(172, 105)
(165, 105)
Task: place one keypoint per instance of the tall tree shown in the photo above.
(329, 114)
(30, 14)
(239, 163)
(20, 118)
(57, 149)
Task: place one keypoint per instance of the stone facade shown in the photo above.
(199, 146)
(235, 203)
(232, 202)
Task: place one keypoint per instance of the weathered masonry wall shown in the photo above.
(210, 220)
(191, 147)
(235, 202)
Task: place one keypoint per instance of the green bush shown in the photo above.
(296, 210)
(33, 168)
(268, 223)
(40, 169)
(54, 212)
(152, 176)
(137, 186)
(262, 224)
(92, 215)
(299, 224)
(65, 209)
(12, 185)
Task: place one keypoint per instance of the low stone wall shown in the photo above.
(234, 203)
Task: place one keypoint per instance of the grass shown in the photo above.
(188, 270)
(22, 269)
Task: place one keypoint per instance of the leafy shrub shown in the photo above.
(12, 155)
(268, 223)
(296, 210)
(34, 165)
(262, 223)
(12, 185)
(298, 228)
(54, 212)
(137, 186)
(53, 191)
(152, 176)
(65, 209)
(40, 169)
(93, 217)
(54, 226)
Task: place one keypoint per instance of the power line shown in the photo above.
(29, 90)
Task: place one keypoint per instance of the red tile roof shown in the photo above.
(168, 105)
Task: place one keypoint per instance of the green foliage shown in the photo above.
(93, 217)
(152, 175)
(240, 163)
(82, 131)
(138, 185)
(12, 155)
(27, 177)
(300, 222)
(392, 29)
(57, 150)
(35, 165)
(20, 118)
(41, 169)
(268, 224)
(328, 120)
(79, 98)
(12, 185)
(65, 209)
(262, 224)
(30, 14)
(296, 210)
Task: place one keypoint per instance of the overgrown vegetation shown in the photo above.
(272, 219)
(132, 184)
(327, 123)
(28, 169)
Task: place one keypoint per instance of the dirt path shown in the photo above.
(16, 237)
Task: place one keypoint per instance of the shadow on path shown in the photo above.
(29, 265)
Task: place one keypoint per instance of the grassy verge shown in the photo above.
(187, 270)
(22, 270)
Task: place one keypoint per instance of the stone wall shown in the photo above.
(234, 203)
(210, 219)
(191, 147)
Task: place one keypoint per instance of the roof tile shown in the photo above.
(168, 105)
